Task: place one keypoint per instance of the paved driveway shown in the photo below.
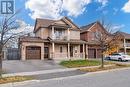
(15, 66)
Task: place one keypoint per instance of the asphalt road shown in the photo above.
(120, 78)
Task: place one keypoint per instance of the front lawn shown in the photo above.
(81, 63)
(14, 79)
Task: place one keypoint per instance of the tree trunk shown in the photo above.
(102, 59)
(0, 60)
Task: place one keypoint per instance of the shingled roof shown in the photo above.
(42, 23)
(31, 39)
(47, 22)
(86, 27)
(126, 35)
(89, 26)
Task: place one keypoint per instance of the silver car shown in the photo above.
(119, 57)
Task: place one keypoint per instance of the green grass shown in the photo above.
(11, 79)
(80, 63)
(114, 66)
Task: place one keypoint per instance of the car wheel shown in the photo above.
(109, 58)
(119, 59)
(126, 60)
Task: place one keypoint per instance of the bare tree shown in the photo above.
(108, 39)
(8, 25)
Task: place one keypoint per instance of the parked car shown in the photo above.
(119, 57)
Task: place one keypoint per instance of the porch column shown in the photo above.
(86, 51)
(42, 52)
(53, 50)
(68, 34)
(68, 50)
(23, 53)
(53, 32)
(124, 46)
(83, 52)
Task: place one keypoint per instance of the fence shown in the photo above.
(13, 54)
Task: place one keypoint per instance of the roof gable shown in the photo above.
(47, 22)
(59, 22)
(125, 35)
(70, 23)
(89, 27)
(86, 27)
(42, 23)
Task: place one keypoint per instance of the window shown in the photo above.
(59, 33)
(97, 35)
(93, 35)
(61, 50)
(76, 49)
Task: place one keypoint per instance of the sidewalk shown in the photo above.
(59, 78)
(45, 71)
(51, 74)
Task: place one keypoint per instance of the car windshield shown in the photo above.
(122, 54)
(119, 54)
(114, 54)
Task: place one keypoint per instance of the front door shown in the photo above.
(91, 53)
(46, 52)
(71, 51)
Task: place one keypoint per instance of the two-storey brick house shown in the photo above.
(88, 34)
(125, 43)
(54, 39)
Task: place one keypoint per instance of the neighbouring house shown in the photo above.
(54, 39)
(125, 45)
(88, 34)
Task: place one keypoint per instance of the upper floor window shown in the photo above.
(76, 49)
(93, 35)
(59, 33)
(127, 41)
(97, 35)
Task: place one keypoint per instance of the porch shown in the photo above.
(64, 50)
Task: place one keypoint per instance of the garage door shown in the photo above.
(33, 52)
(91, 53)
(99, 53)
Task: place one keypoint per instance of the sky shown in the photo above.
(81, 12)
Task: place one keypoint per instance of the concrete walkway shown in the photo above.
(58, 75)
